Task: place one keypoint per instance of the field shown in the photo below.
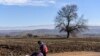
(76, 54)
(23, 46)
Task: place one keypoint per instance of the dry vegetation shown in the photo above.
(23, 46)
(76, 54)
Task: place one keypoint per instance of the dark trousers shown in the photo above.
(44, 53)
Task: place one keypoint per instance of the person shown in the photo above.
(36, 54)
(40, 54)
(43, 48)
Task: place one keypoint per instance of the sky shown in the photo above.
(23, 13)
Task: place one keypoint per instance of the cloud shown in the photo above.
(28, 2)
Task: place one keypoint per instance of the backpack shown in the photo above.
(45, 48)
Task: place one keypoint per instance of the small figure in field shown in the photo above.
(43, 48)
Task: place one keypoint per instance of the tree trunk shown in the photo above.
(68, 34)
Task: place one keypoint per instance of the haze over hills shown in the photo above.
(93, 30)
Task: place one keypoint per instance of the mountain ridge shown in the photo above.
(93, 30)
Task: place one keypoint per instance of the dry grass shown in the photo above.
(23, 46)
(76, 54)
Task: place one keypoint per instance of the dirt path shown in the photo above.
(76, 54)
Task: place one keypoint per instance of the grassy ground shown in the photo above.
(76, 54)
(23, 46)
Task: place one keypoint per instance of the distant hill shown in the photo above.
(34, 32)
(93, 30)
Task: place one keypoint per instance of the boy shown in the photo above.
(43, 48)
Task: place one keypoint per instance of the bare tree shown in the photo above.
(68, 21)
